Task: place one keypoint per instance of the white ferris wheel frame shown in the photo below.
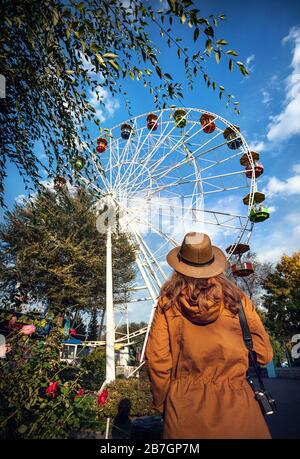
(151, 272)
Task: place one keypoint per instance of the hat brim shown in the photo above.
(218, 266)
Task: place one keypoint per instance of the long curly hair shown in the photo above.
(202, 291)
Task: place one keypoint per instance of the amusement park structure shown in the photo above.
(163, 174)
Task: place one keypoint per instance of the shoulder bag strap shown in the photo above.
(249, 343)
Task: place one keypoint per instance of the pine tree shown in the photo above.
(93, 326)
(80, 327)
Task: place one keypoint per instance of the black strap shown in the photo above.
(249, 344)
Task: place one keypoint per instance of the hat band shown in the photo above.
(193, 263)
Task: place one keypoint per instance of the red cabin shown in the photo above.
(206, 121)
(101, 145)
(258, 170)
(242, 269)
(152, 122)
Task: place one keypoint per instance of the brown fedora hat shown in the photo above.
(197, 257)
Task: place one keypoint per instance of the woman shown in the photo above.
(195, 354)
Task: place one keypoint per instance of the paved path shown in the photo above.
(284, 424)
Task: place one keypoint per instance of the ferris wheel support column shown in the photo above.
(110, 320)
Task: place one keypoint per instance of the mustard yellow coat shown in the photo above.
(197, 362)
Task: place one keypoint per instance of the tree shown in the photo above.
(253, 284)
(79, 326)
(93, 326)
(53, 53)
(51, 249)
(282, 298)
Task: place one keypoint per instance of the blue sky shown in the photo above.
(266, 35)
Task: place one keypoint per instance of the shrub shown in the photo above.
(37, 400)
(137, 391)
(94, 366)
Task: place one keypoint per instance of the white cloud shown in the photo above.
(266, 97)
(250, 62)
(287, 123)
(284, 240)
(286, 187)
(111, 104)
(258, 146)
(296, 168)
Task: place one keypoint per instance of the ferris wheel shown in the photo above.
(166, 173)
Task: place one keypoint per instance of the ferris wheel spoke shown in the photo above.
(222, 161)
(145, 222)
(162, 136)
(146, 139)
(186, 160)
(149, 258)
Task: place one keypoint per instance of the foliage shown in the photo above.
(28, 408)
(86, 416)
(93, 326)
(94, 366)
(278, 350)
(137, 391)
(51, 249)
(53, 54)
(282, 298)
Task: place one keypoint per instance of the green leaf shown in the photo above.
(232, 52)
(172, 5)
(214, 85)
(114, 64)
(94, 47)
(55, 17)
(100, 60)
(83, 45)
(79, 6)
(196, 33)
(158, 71)
(209, 31)
(222, 42)
(110, 55)
(208, 45)
(182, 18)
(70, 72)
(218, 56)
(22, 429)
(230, 65)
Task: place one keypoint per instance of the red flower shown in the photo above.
(52, 389)
(102, 397)
(72, 332)
(80, 393)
